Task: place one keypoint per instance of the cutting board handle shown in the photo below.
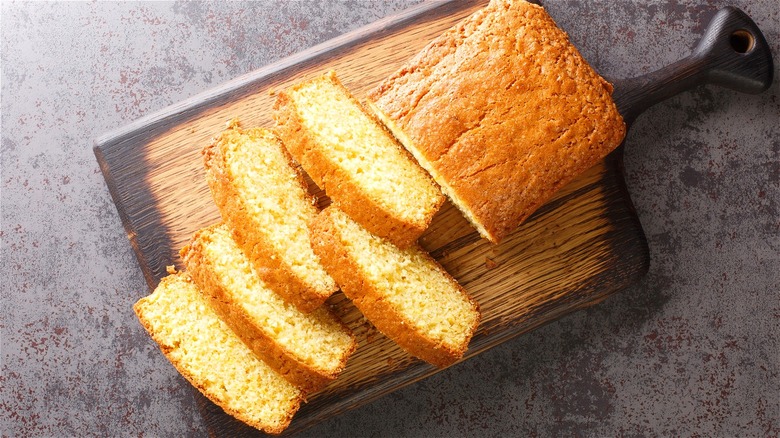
(732, 53)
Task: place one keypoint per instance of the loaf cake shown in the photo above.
(262, 196)
(405, 293)
(309, 350)
(208, 354)
(350, 155)
(502, 111)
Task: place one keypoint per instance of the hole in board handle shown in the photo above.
(742, 41)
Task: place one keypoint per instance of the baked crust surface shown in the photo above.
(503, 111)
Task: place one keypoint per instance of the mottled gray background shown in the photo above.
(690, 350)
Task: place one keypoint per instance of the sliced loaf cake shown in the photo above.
(309, 350)
(405, 293)
(358, 163)
(208, 354)
(263, 198)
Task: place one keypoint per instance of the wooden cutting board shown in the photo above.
(579, 248)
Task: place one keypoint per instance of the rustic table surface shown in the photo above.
(691, 349)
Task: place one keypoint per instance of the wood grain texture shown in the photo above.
(579, 248)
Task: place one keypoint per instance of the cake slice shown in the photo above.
(405, 293)
(262, 196)
(502, 111)
(208, 354)
(350, 155)
(309, 350)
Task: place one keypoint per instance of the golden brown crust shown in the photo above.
(328, 244)
(283, 361)
(273, 268)
(342, 187)
(503, 111)
(140, 308)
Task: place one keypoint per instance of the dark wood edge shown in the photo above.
(130, 230)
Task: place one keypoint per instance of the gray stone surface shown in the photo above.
(690, 350)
